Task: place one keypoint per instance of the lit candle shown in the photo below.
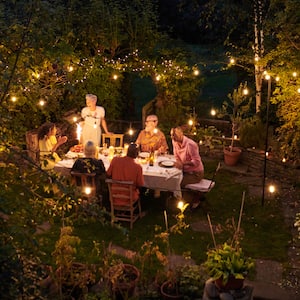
(78, 132)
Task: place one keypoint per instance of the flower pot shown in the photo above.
(123, 280)
(169, 291)
(231, 156)
(232, 284)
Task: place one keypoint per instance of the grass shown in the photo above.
(265, 234)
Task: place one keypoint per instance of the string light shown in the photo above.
(213, 112)
(190, 122)
(42, 102)
(294, 74)
(13, 98)
(232, 61)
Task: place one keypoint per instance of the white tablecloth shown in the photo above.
(155, 177)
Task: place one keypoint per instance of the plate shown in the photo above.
(144, 154)
(167, 163)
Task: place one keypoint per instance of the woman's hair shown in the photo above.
(91, 97)
(44, 129)
(90, 149)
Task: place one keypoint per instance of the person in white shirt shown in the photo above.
(94, 118)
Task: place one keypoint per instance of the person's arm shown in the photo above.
(57, 142)
(104, 125)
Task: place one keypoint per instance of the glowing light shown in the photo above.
(180, 205)
(295, 74)
(196, 72)
(78, 132)
(70, 68)
(158, 77)
(130, 131)
(88, 190)
(200, 142)
(213, 112)
(268, 77)
(267, 154)
(277, 78)
(235, 137)
(271, 188)
(256, 58)
(155, 130)
(190, 122)
(13, 98)
(245, 92)
(74, 119)
(298, 90)
(283, 160)
(232, 61)
(42, 102)
(115, 77)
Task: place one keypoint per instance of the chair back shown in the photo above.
(86, 181)
(115, 140)
(123, 205)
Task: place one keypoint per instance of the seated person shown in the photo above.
(126, 169)
(90, 164)
(186, 152)
(48, 145)
(151, 138)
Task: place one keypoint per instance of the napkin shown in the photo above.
(172, 172)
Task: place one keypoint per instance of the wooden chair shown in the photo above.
(32, 145)
(115, 140)
(87, 183)
(123, 206)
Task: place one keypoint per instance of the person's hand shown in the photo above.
(110, 133)
(62, 139)
(178, 164)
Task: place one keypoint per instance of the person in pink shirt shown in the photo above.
(186, 152)
(126, 169)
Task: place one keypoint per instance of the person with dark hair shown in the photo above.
(151, 138)
(186, 152)
(48, 144)
(126, 169)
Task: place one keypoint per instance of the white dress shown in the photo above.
(91, 130)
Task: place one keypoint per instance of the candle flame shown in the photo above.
(78, 131)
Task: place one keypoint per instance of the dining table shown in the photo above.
(162, 176)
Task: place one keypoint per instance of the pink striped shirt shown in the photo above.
(188, 151)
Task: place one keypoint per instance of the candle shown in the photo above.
(78, 132)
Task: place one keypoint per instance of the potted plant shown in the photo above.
(123, 279)
(170, 288)
(228, 266)
(236, 108)
(69, 278)
(187, 283)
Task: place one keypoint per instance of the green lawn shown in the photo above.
(265, 234)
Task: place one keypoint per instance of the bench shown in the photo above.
(205, 185)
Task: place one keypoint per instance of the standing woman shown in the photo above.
(48, 144)
(94, 118)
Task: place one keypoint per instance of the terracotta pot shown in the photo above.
(231, 157)
(232, 284)
(123, 285)
(168, 291)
